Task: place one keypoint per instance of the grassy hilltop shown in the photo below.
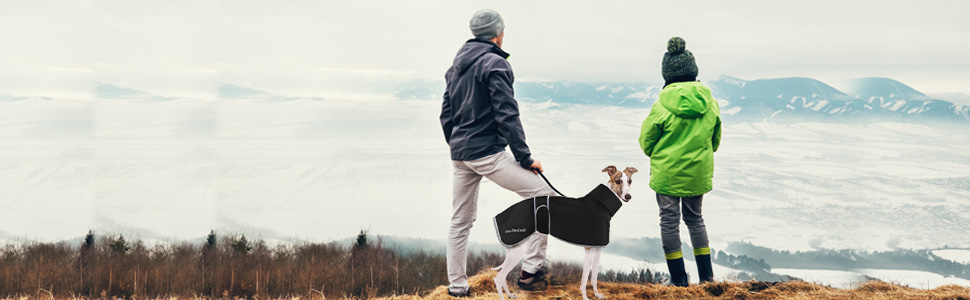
(483, 288)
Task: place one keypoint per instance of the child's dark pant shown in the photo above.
(670, 215)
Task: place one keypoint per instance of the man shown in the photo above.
(480, 117)
(680, 136)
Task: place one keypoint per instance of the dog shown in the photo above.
(593, 234)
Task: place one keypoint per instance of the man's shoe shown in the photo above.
(529, 281)
(459, 292)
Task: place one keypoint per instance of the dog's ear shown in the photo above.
(630, 170)
(610, 170)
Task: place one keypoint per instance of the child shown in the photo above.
(680, 136)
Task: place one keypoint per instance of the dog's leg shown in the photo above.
(596, 272)
(517, 255)
(513, 256)
(586, 268)
(503, 271)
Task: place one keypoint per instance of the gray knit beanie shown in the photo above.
(486, 24)
(678, 63)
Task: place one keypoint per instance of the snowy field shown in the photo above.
(320, 170)
(956, 255)
(848, 279)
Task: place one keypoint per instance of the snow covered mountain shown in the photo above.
(780, 99)
(809, 99)
(616, 94)
(560, 92)
(897, 97)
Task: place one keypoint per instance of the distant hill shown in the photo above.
(232, 91)
(564, 92)
(809, 99)
(110, 91)
(777, 99)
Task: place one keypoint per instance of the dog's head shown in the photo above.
(620, 181)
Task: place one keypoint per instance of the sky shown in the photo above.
(327, 48)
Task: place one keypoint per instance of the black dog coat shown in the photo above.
(584, 221)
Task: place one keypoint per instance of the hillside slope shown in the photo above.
(483, 288)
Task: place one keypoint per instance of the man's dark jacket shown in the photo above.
(479, 114)
(580, 221)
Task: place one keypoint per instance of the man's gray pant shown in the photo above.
(501, 169)
(670, 214)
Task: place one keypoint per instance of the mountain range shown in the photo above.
(782, 99)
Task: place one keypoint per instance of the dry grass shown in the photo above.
(234, 268)
(483, 288)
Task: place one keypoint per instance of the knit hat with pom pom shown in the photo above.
(678, 64)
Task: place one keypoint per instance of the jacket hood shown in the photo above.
(471, 51)
(684, 99)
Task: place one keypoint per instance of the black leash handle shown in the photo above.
(547, 181)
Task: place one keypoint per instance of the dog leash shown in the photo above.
(547, 182)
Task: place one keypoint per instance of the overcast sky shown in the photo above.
(318, 48)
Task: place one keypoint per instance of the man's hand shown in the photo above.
(536, 167)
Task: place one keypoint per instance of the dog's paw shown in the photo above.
(600, 296)
(513, 296)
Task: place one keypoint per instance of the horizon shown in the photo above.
(105, 90)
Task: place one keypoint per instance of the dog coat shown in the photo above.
(581, 221)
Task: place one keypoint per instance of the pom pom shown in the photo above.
(676, 45)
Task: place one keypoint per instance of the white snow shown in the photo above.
(544, 105)
(578, 126)
(639, 95)
(819, 105)
(957, 255)
(849, 279)
(915, 279)
(739, 83)
(833, 278)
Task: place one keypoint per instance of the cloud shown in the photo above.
(184, 47)
(368, 72)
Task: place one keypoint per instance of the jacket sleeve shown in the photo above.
(716, 138)
(650, 132)
(445, 118)
(506, 111)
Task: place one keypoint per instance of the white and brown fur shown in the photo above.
(619, 183)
